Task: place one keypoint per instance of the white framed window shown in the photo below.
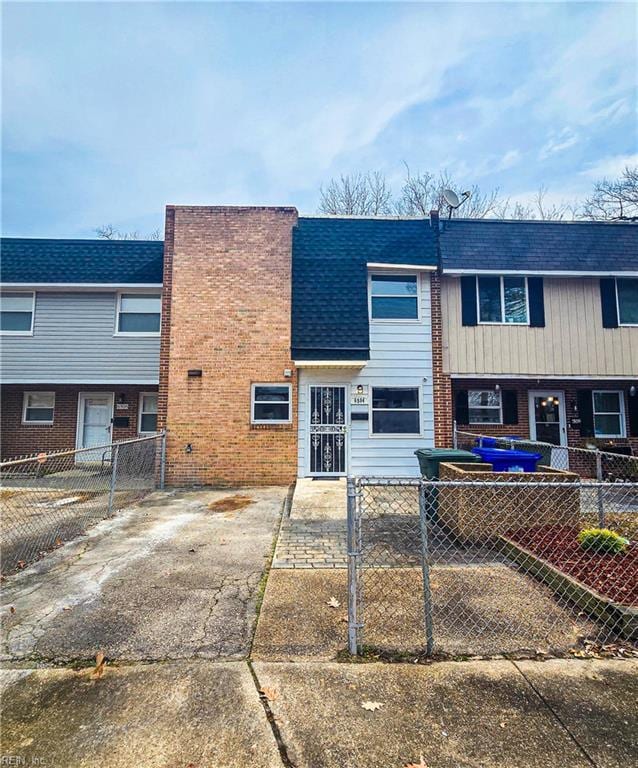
(138, 314)
(147, 413)
(627, 300)
(270, 404)
(17, 309)
(485, 406)
(394, 297)
(502, 300)
(38, 407)
(609, 413)
(395, 411)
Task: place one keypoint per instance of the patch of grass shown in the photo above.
(602, 541)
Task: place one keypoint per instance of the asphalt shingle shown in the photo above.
(329, 279)
(35, 260)
(587, 246)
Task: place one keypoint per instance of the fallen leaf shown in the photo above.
(269, 693)
(21, 563)
(420, 764)
(502, 725)
(371, 706)
(12, 609)
(100, 663)
(333, 602)
(66, 608)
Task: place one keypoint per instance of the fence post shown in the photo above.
(352, 569)
(162, 476)
(425, 565)
(116, 451)
(455, 439)
(599, 490)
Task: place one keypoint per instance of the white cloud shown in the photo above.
(558, 142)
(610, 167)
(508, 160)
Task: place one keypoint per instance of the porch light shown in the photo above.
(632, 391)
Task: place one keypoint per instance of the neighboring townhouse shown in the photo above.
(295, 346)
(79, 341)
(307, 346)
(540, 329)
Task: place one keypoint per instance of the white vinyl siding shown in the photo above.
(400, 356)
(73, 342)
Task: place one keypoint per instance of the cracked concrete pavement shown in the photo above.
(168, 591)
(166, 579)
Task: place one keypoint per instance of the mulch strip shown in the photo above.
(612, 576)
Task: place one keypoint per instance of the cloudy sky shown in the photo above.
(111, 110)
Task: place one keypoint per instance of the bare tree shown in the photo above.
(109, 232)
(357, 194)
(538, 208)
(614, 200)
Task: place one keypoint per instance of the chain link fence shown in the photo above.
(593, 463)
(52, 497)
(470, 567)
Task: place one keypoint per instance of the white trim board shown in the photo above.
(330, 363)
(390, 267)
(541, 272)
(79, 286)
(79, 383)
(540, 376)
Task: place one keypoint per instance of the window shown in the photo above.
(147, 420)
(38, 407)
(139, 313)
(485, 406)
(395, 411)
(270, 404)
(394, 297)
(627, 292)
(16, 312)
(502, 300)
(609, 413)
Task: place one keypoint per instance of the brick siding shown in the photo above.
(442, 383)
(569, 387)
(19, 439)
(227, 301)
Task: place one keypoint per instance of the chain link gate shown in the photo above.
(471, 567)
(50, 498)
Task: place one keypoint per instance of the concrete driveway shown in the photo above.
(174, 577)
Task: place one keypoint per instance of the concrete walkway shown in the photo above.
(556, 714)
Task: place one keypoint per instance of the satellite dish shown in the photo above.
(451, 198)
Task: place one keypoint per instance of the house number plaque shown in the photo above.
(359, 394)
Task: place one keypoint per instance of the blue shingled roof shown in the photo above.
(329, 279)
(35, 260)
(582, 246)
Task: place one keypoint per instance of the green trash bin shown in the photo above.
(430, 460)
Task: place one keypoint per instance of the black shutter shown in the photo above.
(633, 413)
(510, 406)
(461, 407)
(608, 302)
(468, 300)
(585, 412)
(536, 302)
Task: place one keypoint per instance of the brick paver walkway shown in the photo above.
(311, 544)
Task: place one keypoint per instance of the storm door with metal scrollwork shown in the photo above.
(328, 430)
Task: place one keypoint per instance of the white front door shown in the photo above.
(548, 424)
(95, 411)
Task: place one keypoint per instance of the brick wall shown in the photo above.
(19, 439)
(227, 299)
(522, 387)
(442, 383)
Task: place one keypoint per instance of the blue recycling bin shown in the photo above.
(503, 460)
